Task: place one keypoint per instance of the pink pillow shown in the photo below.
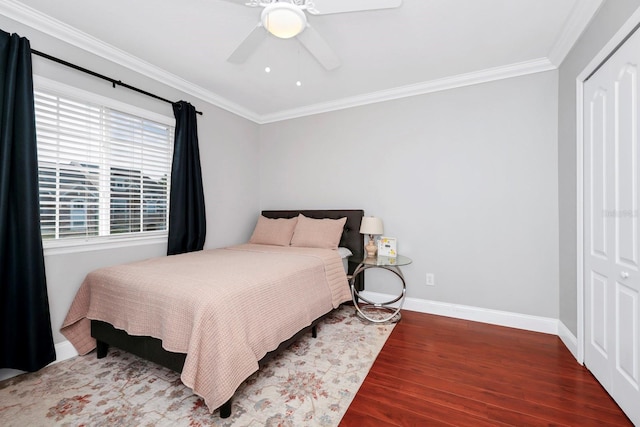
(275, 232)
(318, 233)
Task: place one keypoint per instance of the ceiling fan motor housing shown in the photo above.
(283, 19)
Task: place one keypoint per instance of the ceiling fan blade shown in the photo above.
(319, 48)
(250, 3)
(325, 7)
(248, 45)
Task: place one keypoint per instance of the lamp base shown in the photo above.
(371, 249)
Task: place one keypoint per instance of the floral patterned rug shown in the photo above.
(310, 384)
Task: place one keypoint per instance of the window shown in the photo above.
(104, 172)
(78, 215)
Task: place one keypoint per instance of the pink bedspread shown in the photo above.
(226, 308)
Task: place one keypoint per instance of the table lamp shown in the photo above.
(372, 226)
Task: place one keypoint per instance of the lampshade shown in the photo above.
(283, 19)
(371, 225)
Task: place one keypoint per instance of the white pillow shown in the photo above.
(344, 252)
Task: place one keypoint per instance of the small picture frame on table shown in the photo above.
(388, 246)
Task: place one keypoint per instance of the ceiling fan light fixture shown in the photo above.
(284, 20)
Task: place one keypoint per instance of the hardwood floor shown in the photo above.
(440, 371)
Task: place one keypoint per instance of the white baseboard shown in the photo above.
(64, 351)
(477, 314)
(6, 373)
(570, 341)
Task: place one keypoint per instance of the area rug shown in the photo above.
(310, 384)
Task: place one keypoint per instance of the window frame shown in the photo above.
(63, 246)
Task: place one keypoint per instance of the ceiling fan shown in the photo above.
(286, 19)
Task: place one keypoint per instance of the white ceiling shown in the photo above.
(424, 45)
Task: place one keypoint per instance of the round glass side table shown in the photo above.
(379, 312)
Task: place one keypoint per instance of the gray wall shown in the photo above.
(605, 24)
(469, 180)
(466, 179)
(229, 157)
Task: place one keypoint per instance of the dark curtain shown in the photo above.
(187, 223)
(26, 341)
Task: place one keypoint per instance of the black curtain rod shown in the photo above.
(114, 82)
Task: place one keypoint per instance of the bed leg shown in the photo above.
(314, 331)
(225, 409)
(101, 349)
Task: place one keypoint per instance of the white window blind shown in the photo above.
(102, 172)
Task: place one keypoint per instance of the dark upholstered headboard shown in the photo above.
(351, 237)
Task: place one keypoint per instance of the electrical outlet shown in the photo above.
(431, 280)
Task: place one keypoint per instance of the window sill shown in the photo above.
(73, 246)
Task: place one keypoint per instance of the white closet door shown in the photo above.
(611, 235)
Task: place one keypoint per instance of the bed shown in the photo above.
(215, 340)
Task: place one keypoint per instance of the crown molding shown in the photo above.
(446, 83)
(581, 15)
(37, 20)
